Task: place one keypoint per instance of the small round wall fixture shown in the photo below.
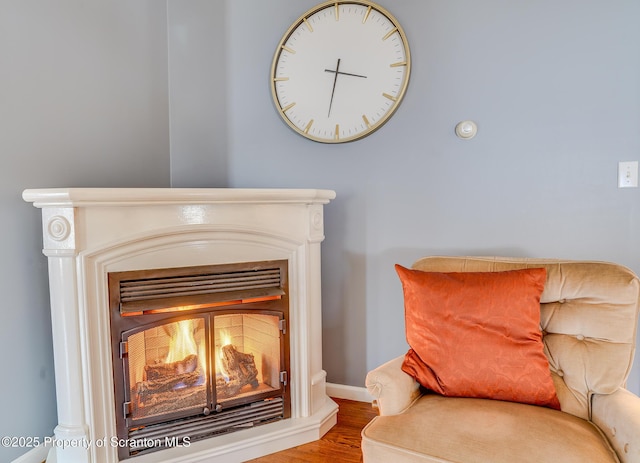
(340, 71)
(466, 129)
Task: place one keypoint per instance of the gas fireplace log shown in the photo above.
(169, 383)
(170, 401)
(239, 366)
(167, 370)
(227, 388)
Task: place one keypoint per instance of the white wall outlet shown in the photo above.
(628, 174)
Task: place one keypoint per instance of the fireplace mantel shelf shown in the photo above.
(72, 197)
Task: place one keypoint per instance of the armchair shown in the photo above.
(589, 313)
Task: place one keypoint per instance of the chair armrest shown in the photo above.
(392, 389)
(618, 417)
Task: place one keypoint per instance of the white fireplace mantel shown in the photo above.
(89, 232)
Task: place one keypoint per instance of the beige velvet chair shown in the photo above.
(589, 314)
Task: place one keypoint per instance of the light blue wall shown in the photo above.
(83, 102)
(555, 90)
(198, 97)
(554, 87)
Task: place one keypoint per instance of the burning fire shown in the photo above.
(225, 340)
(183, 343)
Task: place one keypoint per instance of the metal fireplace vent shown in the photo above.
(149, 293)
(186, 431)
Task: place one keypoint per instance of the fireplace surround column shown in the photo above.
(60, 248)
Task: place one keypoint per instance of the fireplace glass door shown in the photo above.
(167, 369)
(247, 355)
(167, 364)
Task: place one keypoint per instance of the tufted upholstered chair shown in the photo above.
(589, 313)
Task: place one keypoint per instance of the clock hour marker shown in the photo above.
(280, 79)
(398, 64)
(308, 24)
(366, 121)
(288, 107)
(308, 126)
(290, 50)
(337, 12)
(390, 33)
(337, 133)
(390, 97)
(366, 15)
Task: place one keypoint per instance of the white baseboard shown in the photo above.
(35, 455)
(342, 391)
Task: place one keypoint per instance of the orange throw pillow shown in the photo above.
(477, 334)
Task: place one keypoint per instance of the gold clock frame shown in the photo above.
(396, 100)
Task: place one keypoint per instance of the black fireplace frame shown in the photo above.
(209, 291)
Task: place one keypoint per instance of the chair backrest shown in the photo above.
(589, 315)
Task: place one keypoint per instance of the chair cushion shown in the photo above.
(463, 430)
(477, 334)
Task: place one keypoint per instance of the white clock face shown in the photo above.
(340, 71)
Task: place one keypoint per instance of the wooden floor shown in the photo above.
(340, 445)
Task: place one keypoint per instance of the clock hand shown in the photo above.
(333, 91)
(345, 73)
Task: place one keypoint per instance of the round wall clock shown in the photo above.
(340, 71)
